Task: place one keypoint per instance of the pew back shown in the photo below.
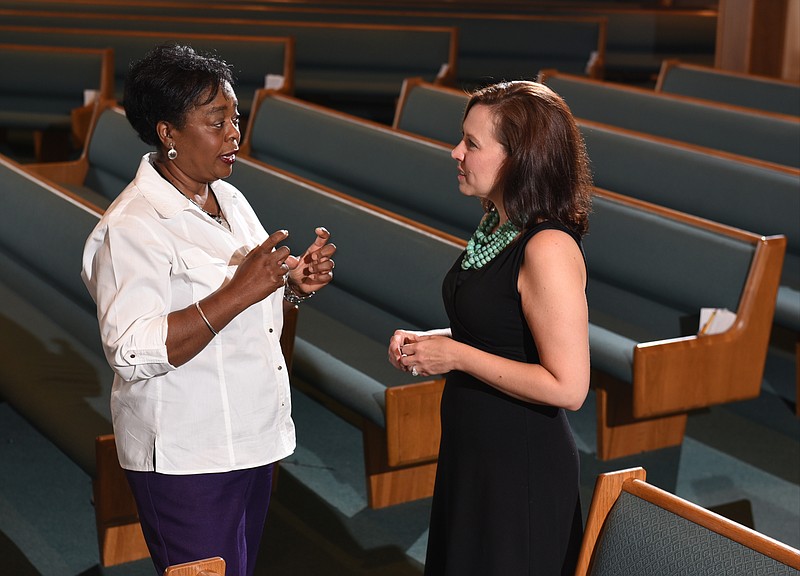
(635, 527)
(639, 37)
(489, 45)
(66, 397)
(398, 172)
(769, 137)
(722, 187)
(434, 112)
(736, 88)
(108, 162)
(339, 58)
(651, 269)
(254, 57)
(42, 85)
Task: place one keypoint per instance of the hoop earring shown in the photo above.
(172, 154)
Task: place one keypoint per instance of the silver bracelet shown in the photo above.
(203, 316)
(293, 297)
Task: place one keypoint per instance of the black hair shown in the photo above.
(167, 83)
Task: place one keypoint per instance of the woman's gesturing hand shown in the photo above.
(314, 269)
(263, 270)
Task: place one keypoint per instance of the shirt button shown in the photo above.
(133, 355)
(280, 367)
(271, 330)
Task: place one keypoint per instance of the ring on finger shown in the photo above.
(414, 370)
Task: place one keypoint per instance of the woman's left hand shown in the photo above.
(314, 269)
(428, 355)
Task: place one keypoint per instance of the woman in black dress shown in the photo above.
(516, 355)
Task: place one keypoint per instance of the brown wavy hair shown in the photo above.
(546, 174)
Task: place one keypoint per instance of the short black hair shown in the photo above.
(167, 83)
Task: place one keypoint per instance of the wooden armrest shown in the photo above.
(81, 119)
(729, 364)
(607, 489)
(71, 172)
(207, 567)
(413, 428)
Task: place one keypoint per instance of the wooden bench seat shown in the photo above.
(253, 57)
(49, 90)
(723, 86)
(762, 135)
(492, 47)
(340, 60)
(636, 528)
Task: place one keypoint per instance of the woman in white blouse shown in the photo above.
(190, 292)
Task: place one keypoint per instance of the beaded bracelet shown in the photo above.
(293, 297)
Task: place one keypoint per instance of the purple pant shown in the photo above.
(191, 517)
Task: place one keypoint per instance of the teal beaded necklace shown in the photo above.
(483, 246)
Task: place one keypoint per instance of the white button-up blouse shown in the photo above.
(229, 407)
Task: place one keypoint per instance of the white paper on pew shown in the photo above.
(273, 81)
(590, 64)
(715, 320)
(89, 96)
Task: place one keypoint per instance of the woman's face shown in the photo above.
(479, 155)
(209, 140)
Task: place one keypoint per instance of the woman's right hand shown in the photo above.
(396, 343)
(263, 270)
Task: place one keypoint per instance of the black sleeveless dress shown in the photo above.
(506, 500)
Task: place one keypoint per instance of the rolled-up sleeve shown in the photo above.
(126, 269)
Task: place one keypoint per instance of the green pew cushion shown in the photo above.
(639, 537)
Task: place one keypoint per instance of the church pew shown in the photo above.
(254, 57)
(661, 301)
(334, 60)
(721, 187)
(636, 527)
(724, 86)
(651, 269)
(49, 91)
(638, 36)
(761, 135)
